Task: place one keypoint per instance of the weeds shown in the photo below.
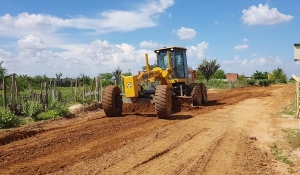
(8, 119)
(280, 156)
(293, 137)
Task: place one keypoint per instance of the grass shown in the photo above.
(291, 108)
(280, 155)
(293, 137)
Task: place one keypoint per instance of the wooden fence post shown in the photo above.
(97, 90)
(13, 88)
(46, 94)
(54, 88)
(4, 92)
(101, 90)
(76, 85)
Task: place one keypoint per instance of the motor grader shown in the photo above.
(174, 79)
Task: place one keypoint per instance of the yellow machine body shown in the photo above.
(131, 84)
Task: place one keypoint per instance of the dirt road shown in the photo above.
(228, 135)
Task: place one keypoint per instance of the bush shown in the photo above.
(251, 82)
(32, 108)
(48, 115)
(8, 119)
(59, 107)
(264, 82)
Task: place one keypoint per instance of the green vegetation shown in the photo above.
(208, 68)
(280, 155)
(219, 74)
(293, 137)
(8, 119)
(291, 108)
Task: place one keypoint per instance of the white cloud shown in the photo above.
(170, 15)
(148, 44)
(113, 20)
(186, 33)
(198, 50)
(245, 40)
(6, 57)
(92, 59)
(216, 22)
(236, 60)
(31, 42)
(278, 60)
(263, 15)
(245, 62)
(241, 47)
(258, 61)
(254, 54)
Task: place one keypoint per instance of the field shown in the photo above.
(239, 131)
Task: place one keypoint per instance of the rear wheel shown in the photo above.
(204, 92)
(196, 94)
(112, 102)
(163, 102)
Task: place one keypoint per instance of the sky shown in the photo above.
(97, 36)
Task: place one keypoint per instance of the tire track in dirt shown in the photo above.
(221, 139)
(118, 132)
(96, 137)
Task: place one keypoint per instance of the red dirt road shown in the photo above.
(210, 139)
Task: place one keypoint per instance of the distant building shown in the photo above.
(232, 76)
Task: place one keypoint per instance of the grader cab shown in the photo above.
(171, 79)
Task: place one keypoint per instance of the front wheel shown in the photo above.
(112, 102)
(163, 102)
(196, 94)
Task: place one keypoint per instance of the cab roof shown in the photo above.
(170, 48)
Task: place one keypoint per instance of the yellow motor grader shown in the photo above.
(174, 79)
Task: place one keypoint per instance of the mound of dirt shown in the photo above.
(138, 108)
(79, 108)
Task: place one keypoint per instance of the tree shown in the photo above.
(278, 74)
(258, 75)
(219, 74)
(151, 66)
(200, 76)
(117, 74)
(3, 70)
(84, 79)
(106, 76)
(208, 68)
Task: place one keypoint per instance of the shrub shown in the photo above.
(251, 82)
(293, 137)
(48, 115)
(59, 107)
(264, 82)
(8, 119)
(32, 108)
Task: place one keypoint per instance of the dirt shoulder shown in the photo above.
(230, 134)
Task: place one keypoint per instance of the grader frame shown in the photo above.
(176, 81)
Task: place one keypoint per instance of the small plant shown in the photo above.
(280, 156)
(8, 119)
(48, 115)
(32, 108)
(60, 108)
(251, 82)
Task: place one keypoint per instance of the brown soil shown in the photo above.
(228, 135)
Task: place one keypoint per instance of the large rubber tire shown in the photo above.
(196, 94)
(204, 92)
(112, 102)
(163, 102)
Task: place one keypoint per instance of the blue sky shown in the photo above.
(92, 37)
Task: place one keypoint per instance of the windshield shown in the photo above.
(162, 59)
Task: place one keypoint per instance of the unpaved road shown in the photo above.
(228, 135)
